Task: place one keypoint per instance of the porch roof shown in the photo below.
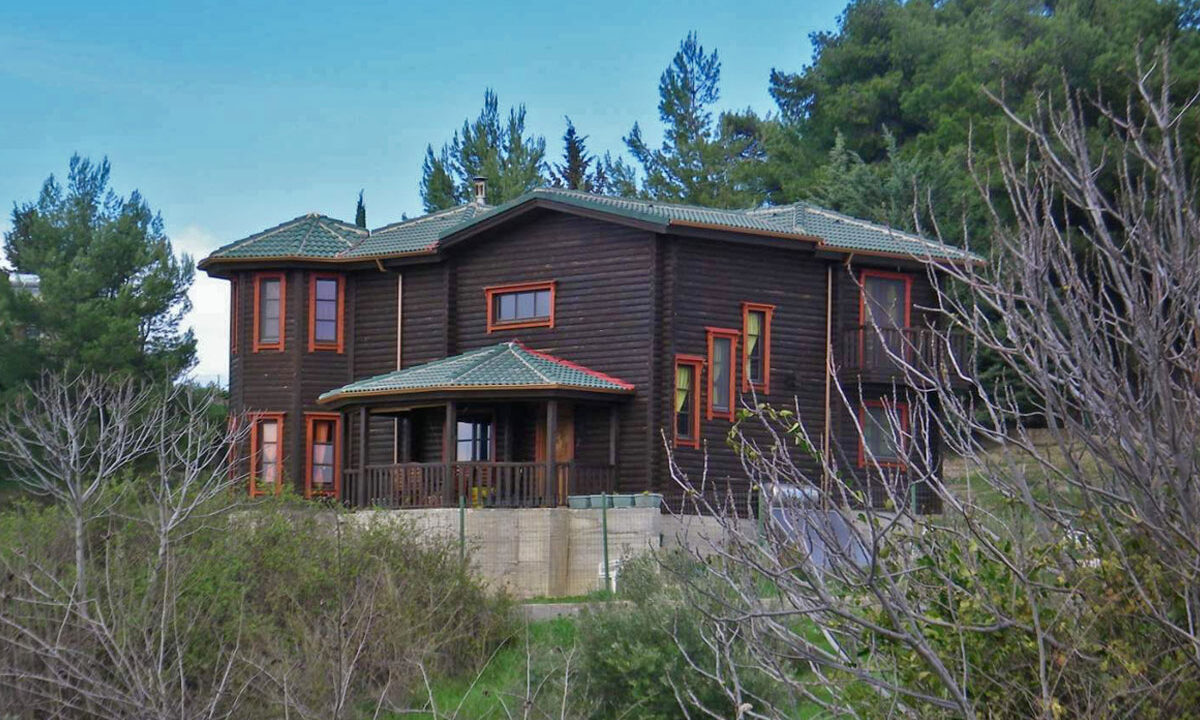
(509, 366)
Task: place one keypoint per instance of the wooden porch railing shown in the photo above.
(481, 484)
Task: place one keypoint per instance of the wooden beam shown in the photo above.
(362, 457)
(449, 452)
(551, 441)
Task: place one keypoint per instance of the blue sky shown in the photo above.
(234, 116)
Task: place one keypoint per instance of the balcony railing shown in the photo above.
(478, 484)
(874, 353)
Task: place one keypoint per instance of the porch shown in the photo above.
(500, 427)
(475, 484)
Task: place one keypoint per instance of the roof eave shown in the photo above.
(424, 393)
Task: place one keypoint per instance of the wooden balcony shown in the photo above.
(871, 354)
(478, 484)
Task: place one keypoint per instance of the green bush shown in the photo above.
(277, 609)
(634, 656)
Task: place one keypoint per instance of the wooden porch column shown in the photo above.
(551, 440)
(449, 452)
(614, 426)
(362, 457)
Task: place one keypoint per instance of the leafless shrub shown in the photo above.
(1061, 580)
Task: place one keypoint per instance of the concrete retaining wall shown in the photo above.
(534, 552)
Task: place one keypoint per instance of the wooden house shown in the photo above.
(560, 343)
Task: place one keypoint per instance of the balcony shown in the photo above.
(476, 484)
(871, 354)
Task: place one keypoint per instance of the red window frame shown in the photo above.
(696, 363)
(732, 335)
(862, 301)
(279, 345)
(339, 345)
(491, 292)
(310, 422)
(256, 420)
(886, 405)
(233, 315)
(768, 312)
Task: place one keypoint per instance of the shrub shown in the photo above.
(640, 658)
(281, 609)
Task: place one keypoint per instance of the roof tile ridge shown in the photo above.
(316, 220)
(484, 355)
(877, 226)
(333, 232)
(640, 201)
(576, 366)
(260, 235)
(518, 344)
(425, 217)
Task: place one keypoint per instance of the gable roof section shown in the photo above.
(319, 238)
(507, 366)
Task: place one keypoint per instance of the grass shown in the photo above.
(592, 597)
(498, 689)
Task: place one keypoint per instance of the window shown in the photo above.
(233, 315)
(881, 443)
(326, 299)
(884, 309)
(687, 400)
(756, 353)
(520, 306)
(722, 349)
(269, 296)
(323, 474)
(266, 462)
(474, 441)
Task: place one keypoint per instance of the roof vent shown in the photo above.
(480, 189)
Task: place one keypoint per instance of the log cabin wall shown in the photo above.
(847, 315)
(708, 282)
(604, 315)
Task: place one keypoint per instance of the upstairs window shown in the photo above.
(756, 352)
(323, 470)
(884, 433)
(722, 349)
(687, 400)
(884, 311)
(527, 305)
(269, 309)
(326, 300)
(266, 462)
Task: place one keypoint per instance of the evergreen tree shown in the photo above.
(360, 212)
(491, 146)
(701, 161)
(578, 170)
(112, 292)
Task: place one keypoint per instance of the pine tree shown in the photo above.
(360, 212)
(490, 146)
(574, 172)
(112, 292)
(700, 161)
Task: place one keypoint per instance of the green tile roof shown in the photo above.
(509, 365)
(321, 238)
(308, 236)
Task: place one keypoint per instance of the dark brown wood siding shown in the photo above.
(604, 315)
(847, 404)
(709, 281)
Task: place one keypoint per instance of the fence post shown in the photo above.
(604, 536)
(462, 528)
